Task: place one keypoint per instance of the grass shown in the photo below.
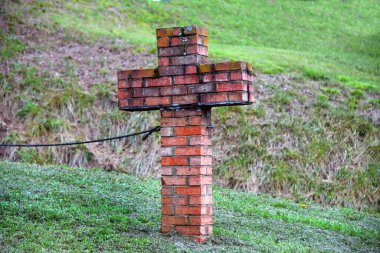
(59, 208)
(321, 39)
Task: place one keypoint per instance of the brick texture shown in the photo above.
(188, 189)
(185, 87)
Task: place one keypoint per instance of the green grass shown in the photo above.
(322, 39)
(58, 208)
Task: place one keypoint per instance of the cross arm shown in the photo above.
(214, 84)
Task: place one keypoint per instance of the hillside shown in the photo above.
(58, 208)
(313, 134)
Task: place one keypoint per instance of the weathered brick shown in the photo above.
(121, 94)
(196, 121)
(200, 180)
(173, 122)
(139, 73)
(191, 70)
(173, 90)
(200, 200)
(190, 210)
(167, 151)
(176, 200)
(170, 161)
(169, 190)
(236, 86)
(200, 140)
(192, 171)
(190, 130)
(238, 96)
(170, 228)
(187, 151)
(171, 51)
(201, 88)
(205, 68)
(175, 31)
(122, 84)
(135, 83)
(213, 97)
(197, 49)
(221, 77)
(230, 66)
(173, 180)
(123, 74)
(238, 75)
(163, 61)
(171, 70)
(146, 92)
(167, 209)
(194, 29)
(201, 160)
(186, 99)
(187, 79)
(154, 101)
(207, 78)
(187, 112)
(167, 131)
(167, 171)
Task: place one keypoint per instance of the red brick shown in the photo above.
(191, 171)
(191, 230)
(173, 180)
(200, 180)
(146, 92)
(167, 228)
(135, 83)
(188, 40)
(121, 94)
(200, 220)
(201, 160)
(238, 96)
(239, 75)
(171, 70)
(190, 190)
(173, 122)
(237, 86)
(121, 84)
(122, 103)
(186, 99)
(166, 113)
(197, 49)
(188, 151)
(197, 121)
(187, 79)
(167, 200)
(175, 220)
(201, 88)
(173, 90)
(190, 210)
(190, 130)
(221, 77)
(200, 140)
(157, 101)
(173, 141)
(200, 200)
(163, 81)
(191, 70)
(167, 209)
(163, 61)
(170, 161)
(213, 97)
(123, 74)
(230, 66)
(171, 51)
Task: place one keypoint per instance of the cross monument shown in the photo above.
(184, 87)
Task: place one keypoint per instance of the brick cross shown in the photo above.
(185, 87)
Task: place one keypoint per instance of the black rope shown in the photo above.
(147, 132)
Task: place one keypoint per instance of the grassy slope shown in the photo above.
(303, 139)
(45, 208)
(324, 39)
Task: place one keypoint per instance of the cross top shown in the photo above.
(183, 78)
(185, 87)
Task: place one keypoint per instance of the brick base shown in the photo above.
(186, 172)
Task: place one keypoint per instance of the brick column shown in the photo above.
(186, 172)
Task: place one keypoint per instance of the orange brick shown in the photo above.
(205, 68)
(138, 73)
(190, 210)
(169, 161)
(167, 209)
(190, 130)
(191, 190)
(163, 42)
